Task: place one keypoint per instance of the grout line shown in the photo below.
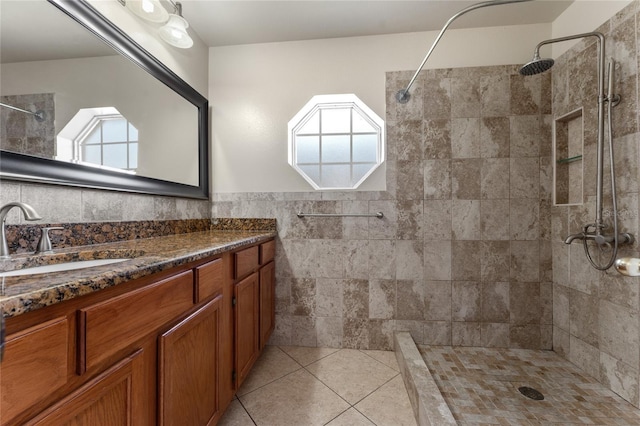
(300, 367)
(246, 411)
(285, 352)
(375, 359)
(350, 407)
(322, 357)
(268, 383)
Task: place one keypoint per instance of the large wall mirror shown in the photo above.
(109, 115)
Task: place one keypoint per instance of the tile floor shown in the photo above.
(480, 386)
(320, 386)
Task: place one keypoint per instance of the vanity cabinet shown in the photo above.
(109, 399)
(254, 302)
(247, 325)
(36, 362)
(189, 369)
(167, 349)
(267, 302)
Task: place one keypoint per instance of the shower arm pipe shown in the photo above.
(39, 115)
(403, 95)
(599, 224)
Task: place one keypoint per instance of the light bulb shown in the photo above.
(149, 10)
(175, 33)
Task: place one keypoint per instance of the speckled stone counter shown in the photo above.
(23, 294)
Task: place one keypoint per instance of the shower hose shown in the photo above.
(614, 204)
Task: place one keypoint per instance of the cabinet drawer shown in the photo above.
(35, 365)
(267, 252)
(246, 261)
(110, 326)
(209, 279)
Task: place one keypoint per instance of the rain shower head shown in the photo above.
(537, 65)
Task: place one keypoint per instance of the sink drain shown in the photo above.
(531, 393)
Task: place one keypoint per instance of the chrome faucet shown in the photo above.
(598, 236)
(29, 214)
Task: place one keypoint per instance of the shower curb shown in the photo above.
(429, 407)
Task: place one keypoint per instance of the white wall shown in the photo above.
(189, 64)
(580, 17)
(254, 90)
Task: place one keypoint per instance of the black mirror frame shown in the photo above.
(14, 166)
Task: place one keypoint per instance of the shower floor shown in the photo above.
(480, 386)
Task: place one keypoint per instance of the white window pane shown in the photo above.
(313, 172)
(133, 133)
(114, 130)
(360, 125)
(312, 126)
(336, 149)
(307, 149)
(336, 176)
(115, 155)
(133, 156)
(359, 170)
(94, 136)
(92, 154)
(365, 148)
(336, 120)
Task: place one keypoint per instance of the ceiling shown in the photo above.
(38, 31)
(222, 23)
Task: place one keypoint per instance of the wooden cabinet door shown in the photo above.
(267, 302)
(189, 369)
(246, 325)
(36, 364)
(107, 400)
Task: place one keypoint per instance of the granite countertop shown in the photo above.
(22, 294)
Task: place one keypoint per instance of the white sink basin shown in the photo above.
(59, 267)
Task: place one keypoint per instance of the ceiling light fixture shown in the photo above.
(174, 31)
(149, 10)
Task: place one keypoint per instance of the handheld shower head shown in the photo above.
(537, 65)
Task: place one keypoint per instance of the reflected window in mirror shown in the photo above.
(102, 137)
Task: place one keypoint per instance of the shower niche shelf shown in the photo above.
(568, 147)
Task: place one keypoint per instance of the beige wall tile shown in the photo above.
(437, 301)
(466, 301)
(494, 137)
(619, 332)
(495, 95)
(437, 333)
(495, 302)
(466, 334)
(584, 356)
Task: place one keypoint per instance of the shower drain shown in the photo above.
(531, 393)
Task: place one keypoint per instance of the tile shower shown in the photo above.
(463, 255)
(470, 251)
(20, 133)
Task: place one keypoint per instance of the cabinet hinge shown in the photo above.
(233, 376)
(233, 301)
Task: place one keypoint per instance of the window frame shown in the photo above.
(319, 103)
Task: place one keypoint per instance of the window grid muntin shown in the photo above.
(353, 108)
(368, 124)
(97, 124)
